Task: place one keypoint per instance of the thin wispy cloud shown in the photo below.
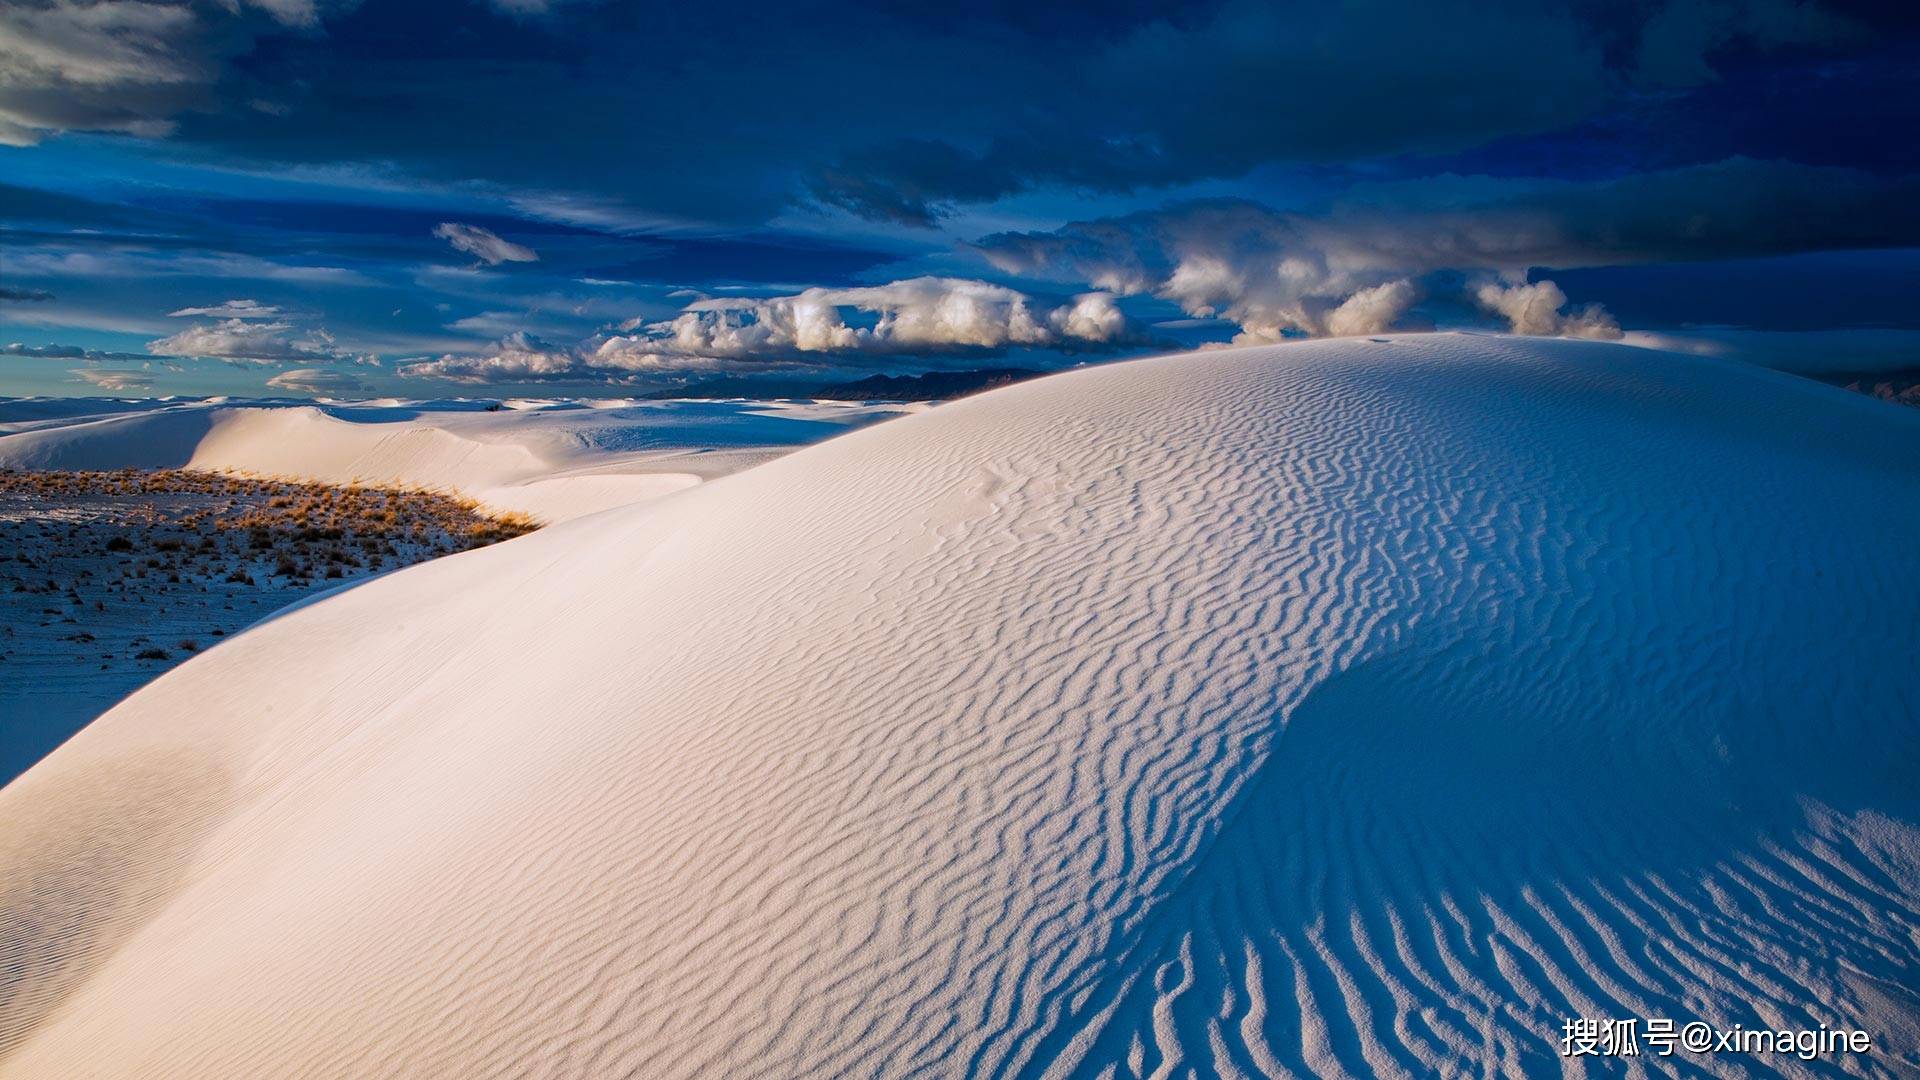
(107, 379)
(68, 261)
(483, 244)
(231, 309)
(318, 382)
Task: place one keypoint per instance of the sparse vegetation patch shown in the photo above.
(109, 578)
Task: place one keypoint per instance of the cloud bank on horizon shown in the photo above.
(522, 204)
(922, 317)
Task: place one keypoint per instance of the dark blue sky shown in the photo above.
(459, 196)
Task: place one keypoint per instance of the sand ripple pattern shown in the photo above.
(1349, 708)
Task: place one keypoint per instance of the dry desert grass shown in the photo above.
(109, 578)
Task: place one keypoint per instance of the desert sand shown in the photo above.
(1361, 707)
(109, 578)
(552, 460)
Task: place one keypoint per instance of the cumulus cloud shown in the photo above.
(1273, 274)
(1282, 273)
(1372, 311)
(317, 381)
(1235, 260)
(483, 244)
(243, 340)
(917, 316)
(114, 380)
(127, 66)
(515, 358)
(925, 316)
(1537, 309)
(231, 309)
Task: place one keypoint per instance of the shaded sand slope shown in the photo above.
(1345, 708)
(553, 460)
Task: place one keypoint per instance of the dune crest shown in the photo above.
(1350, 707)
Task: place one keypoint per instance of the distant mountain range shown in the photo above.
(932, 386)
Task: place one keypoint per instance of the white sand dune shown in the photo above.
(552, 460)
(1356, 708)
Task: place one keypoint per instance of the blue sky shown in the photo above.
(583, 196)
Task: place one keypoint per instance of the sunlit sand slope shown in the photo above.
(1346, 708)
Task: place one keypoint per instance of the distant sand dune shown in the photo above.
(554, 463)
(1341, 708)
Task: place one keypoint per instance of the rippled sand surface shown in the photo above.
(1357, 707)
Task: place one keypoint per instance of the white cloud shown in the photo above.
(1282, 273)
(543, 315)
(1093, 317)
(915, 316)
(1372, 311)
(497, 323)
(253, 342)
(924, 316)
(231, 309)
(483, 244)
(516, 358)
(1273, 275)
(114, 380)
(317, 381)
(1536, 309)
